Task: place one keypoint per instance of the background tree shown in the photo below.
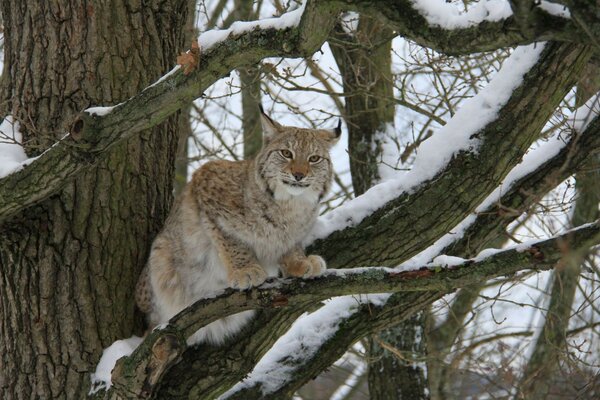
(85, 211)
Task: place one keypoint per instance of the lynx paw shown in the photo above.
(246, 277)
(307, 267)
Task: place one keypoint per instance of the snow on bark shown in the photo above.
(585, 114)
(101, 378)
(211, 38)
(555, 9)
(459, 134)
(447, 15)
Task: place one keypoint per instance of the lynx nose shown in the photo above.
(298, 176)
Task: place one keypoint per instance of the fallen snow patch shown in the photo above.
(101, 379)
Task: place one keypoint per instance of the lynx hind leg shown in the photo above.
(165, 283)
(143, 292)
(296, 264)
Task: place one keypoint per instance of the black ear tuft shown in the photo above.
(338, 128)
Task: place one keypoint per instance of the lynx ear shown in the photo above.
(270, 127)
(333, 135)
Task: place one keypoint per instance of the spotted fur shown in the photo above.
(237, 223)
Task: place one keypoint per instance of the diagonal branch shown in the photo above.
(93, 134)
(138, 375)
(415, 212)
(435, 28)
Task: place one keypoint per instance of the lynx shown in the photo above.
(237, 223)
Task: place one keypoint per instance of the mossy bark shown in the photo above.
(69, 265)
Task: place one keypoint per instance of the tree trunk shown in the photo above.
(398, 354)
(365, 62)
(250, 83)
(185, 124)
(69, 265)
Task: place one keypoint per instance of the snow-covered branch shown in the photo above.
(486, 25)
(156, 360)
(540, 171)
(296, 34)
(462, 163)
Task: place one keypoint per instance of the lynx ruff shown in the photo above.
(237, 223)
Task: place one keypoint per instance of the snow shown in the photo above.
(533, 160)
(12, 154)
(165, 76)
(555, 9)
(447, 261)
(100, 111)
(101, 379)
(302, 341)
(209, 39)
(447, 15)
(436, 152)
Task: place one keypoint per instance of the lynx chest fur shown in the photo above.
(237, 223)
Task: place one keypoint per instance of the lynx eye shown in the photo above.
(286, 153)
(314, 159)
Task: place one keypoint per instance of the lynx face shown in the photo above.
(295, 162)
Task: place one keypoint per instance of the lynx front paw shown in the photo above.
(306, 267)
(246, 277)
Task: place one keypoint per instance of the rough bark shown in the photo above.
(396, 370)
(68, 265)
(70, 157)
(185, 123)
(441, 338)
(93, 135)
(551, 349)
(401, 16)
(90, 239)
(365, 62)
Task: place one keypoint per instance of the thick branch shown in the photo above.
(374, 318)
(484, 36)
(96, 134)
(492, 222)
(418, 217)
(93, 135)
(297, 296)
